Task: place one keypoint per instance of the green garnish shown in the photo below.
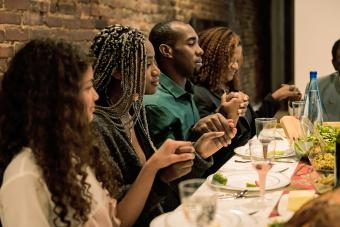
(250, 185)
(277, 153)
(219, 178)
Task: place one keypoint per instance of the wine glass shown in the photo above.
(261, 163)
(265, 132)
(262, 151)
(199, 207)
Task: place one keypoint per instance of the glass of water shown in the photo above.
(298, 108)
(199, 207)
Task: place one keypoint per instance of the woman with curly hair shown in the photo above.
(52, 172)
(217, 87)
(124, 70)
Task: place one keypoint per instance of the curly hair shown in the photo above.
(41, 108)
(219, 44)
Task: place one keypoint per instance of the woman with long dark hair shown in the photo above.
(52, 171)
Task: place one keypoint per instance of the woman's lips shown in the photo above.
(155, 82)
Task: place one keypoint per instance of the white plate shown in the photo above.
(224, 218)
(282, 145)
(282, 207)
(237, 180)
(278, 167)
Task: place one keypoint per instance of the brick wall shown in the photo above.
(80, 20)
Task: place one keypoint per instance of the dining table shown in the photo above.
(288, 173)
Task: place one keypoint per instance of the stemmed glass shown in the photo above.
(262, 150)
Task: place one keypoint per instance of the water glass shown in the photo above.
(298, 108)
(199, 207)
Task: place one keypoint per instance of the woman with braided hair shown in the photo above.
(217, 87)
(124, 70)
(52, 171)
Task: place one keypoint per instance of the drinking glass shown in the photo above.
(262, 161)
(265, 131)
(199, 207)
(262, 150)
(298, 108)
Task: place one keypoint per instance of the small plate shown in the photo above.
(282, 207)
(281, 145)
(224, 218)
(237, 180)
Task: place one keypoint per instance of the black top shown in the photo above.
(207, 102)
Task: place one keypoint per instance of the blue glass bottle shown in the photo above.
(313, 106)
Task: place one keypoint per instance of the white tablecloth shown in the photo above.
(261, 217)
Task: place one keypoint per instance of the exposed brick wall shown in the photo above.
(80, 20)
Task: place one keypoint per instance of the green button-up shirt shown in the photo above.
(171, 112)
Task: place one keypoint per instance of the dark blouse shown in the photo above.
(208, 101)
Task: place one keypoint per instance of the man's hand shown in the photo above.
(287, 91)
(216, 123)
(209, 143)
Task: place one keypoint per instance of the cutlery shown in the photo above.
(242, 161)
(284, 161)
(236, 195)
(281, 161)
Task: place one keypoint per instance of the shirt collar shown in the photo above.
(173, 88)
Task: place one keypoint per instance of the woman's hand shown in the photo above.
(170, 153)
(230, 103)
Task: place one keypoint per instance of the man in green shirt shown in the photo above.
(172, 112)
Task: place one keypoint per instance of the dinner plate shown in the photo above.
(224, 218)
(237, 180)
(281, 145)
(278, 167)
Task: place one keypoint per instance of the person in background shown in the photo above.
(329, 87)
(172, 112)
(217, 84)
(124, 70)
(52, 170)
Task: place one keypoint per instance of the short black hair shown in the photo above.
(162, 33)
(335, 47)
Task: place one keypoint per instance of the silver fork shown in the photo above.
(236, 195)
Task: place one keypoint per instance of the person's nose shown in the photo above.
(155, 71)
(199, 50)
(235, 66)
(95, 95)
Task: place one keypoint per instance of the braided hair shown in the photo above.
(122, 48)
(219, 45)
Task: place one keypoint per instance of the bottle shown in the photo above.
(313, 107)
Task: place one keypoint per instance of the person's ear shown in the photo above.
(117, 74)
(165, 50)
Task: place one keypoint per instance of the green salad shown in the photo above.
(219, 178)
